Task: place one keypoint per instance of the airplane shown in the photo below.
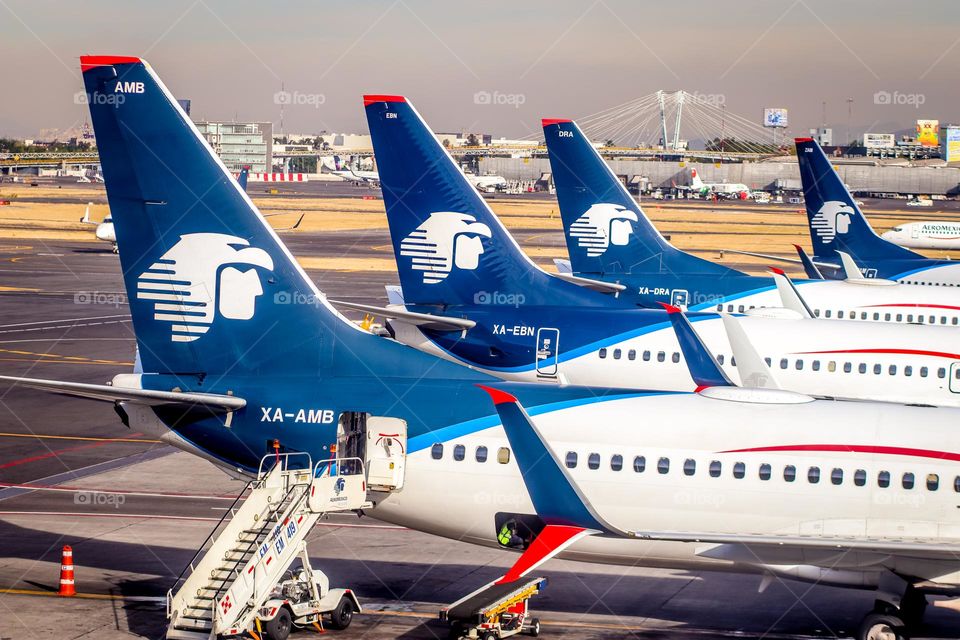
(932, 234)
(733, 190)
(347, 172)
(838, 225)
(104, 230)
(470, 295)
(486, 183)
(833, 492)
(610, 238)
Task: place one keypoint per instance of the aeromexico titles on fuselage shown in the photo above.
(837, 224)
(221, 310)
(610, 238)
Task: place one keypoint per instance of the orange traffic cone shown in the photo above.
(66, 572)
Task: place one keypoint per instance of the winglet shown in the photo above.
(556, 497)
(790, 296)
(669, 308)
(702, 366)
(850, 268)
(778, 271)
(811, 269)
(753, 369)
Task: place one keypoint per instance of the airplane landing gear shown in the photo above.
(890, 622)
(882, 626)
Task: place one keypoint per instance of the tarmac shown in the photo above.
(135, 510)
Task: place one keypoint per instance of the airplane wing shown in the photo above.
(425, 320)
(589, 283)
(702, 365)
(109, 393)
(789, 295)
(563, 266)
(753, 370)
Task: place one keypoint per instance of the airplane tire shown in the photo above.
(280, 626)
(882, 626)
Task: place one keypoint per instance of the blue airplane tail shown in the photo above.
(211, 288)
(450, 247)
(836, 222)
(242, 177)
(606, 230)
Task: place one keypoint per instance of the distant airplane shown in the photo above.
(837, 225)
(243, 359)
(104, 231)
(346, 171)
(610, 238)
(733, 190)
(932, 234)
(486, 184)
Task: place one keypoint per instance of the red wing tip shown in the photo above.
(798, 140)
(498, 396)
(777, 270)
(373, 99)
(798, 247)
(92, 62)
(669, 308)
(549, 121)
(701, 387)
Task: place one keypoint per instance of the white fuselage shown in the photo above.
(699, 464)
(925, 235)
(909, 364)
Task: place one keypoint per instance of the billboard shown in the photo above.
(928, 133)
(775, 117)
(879, 140)
(951, 144)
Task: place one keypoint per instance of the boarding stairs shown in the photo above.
(234, 572)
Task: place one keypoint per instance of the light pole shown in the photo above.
(849, 116)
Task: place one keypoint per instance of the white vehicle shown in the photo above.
(104, 231)
(918, 202)
(736, 190)
(932, 234)
(487, 184)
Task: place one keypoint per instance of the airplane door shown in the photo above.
(914, 231)
(955, 377)
(386, 453)
(548, 341)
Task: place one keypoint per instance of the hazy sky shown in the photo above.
(566, 59)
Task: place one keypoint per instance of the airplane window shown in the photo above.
(739, 470)
(503, 455)
(632, 354)
(954, 321)
(799, 365)
(877, 368)
(886, 317)
(816, 312)
(893, 370)
(764, 471)
(571, 460)
(459, 452)
(594, 461)
(863, 315)
(876, 316)
(909, 317)
(481, 454)
(815, 365)
(813, 475)
(689, 467)
(827, 314)
(956, 484)
(933, 319)
(663, 465)
(840, 314)
(729, 308)
(920, 319)
(941, 373)
(789, 473)
(908, 371)
(661, 356)
(767, 360)
(831, 366)
(883, 479)
(616, 462)
(716, 467)
(836, 476)
(646, 356)
(943, 319)
(933, 482)
(616, 354)
(675, 357)
(784, 363)
(603, 352)
(436, 451)
(733, 361)
(923, 372)
(956, 374)
(740, 309)
(719, 307)
(639, 464)
(847, 367)
(907, 480)
(862, 368)
(899, 317)
(720, 359)
(860, 477)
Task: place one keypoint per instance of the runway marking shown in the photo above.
(90, 438)
(63, 359)
(149, 494)
(24, 324)
(5, 288)
(86, 596)
(50, 454)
